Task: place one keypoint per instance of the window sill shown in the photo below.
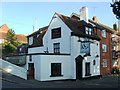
(56, 75)
(87, 74)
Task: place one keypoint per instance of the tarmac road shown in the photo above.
(11, 81)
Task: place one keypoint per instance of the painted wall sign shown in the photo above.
(85, 47)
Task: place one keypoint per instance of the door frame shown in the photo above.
(31, 71)
(79, 67)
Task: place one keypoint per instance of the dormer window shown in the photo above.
(104, 33)
(88, 31)
(30, 40)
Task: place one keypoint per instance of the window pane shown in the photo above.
(56, 47)
(104, 63)
(56, 33)
(104, 33)
(55, 69)
(104, 48)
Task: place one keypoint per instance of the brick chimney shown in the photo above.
(95, 19)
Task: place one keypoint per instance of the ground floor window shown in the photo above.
(87, 69)
(56, 69)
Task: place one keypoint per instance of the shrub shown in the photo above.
(115, 70)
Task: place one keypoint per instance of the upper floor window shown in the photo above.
(56, 33)
(104, 48)
(104, 33)
(88, 30)
(56, 47)
(30, 40)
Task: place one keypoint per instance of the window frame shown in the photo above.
(30, 42)
(53, 67)
(104, 34)
(88, 31)
(104, 48)
(56, 48)
(56, 35)
(104, 63)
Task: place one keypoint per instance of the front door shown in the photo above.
(79, 60)
(30, 70)
(87, 69)
(78, 70)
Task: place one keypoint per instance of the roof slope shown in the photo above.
(102, 26)
(77, 26)
(4, 29)
(38, 37)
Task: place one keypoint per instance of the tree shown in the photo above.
(10, 37)
(116, 9)
(7, 49)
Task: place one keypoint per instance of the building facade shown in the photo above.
(65, 49)
(105, 33)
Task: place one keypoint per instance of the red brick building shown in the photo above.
(105, 33)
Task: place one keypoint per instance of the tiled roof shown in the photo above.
(102, 26)
(77, 27)
(38, 37)
(4, 29)
(21, 37)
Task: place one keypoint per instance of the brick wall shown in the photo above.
(105, 55)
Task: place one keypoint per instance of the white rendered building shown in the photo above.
(65, 49)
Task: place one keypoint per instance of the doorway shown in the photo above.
(30, 70)
(87, 69)
(79, 65)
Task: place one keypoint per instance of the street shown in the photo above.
(10, 81)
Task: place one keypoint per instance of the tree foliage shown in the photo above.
(116, 9)
(8, 49)
(10, 37)
(11, 43)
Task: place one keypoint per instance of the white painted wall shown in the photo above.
(68, 45)
(65, 36)
(42, 67)
(36, 50)
(15, 70)
(75, 51)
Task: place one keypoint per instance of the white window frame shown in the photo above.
(56, 47)
(104, 48)
(88, 31)
(105, 63)
(104, 33)
(30, 40)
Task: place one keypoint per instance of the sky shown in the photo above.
(21, 16)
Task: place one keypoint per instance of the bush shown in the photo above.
(115, 70)
(7, 49)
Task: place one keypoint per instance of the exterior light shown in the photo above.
(85, 58)
(97, 56)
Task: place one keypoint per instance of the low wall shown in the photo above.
(13, 69)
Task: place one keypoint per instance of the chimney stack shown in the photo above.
(95, 19)
(115, 27)
(84, 14)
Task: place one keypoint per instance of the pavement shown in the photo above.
(11, 81)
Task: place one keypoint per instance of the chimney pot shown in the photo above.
(95, 19)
